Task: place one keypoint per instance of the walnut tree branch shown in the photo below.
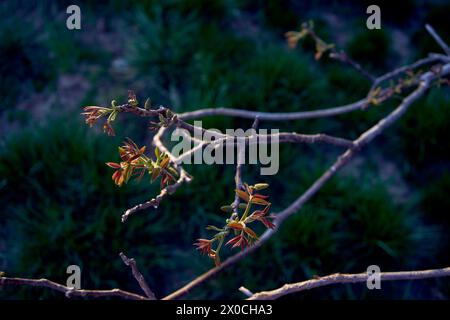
(138, 276)
(70, 292)
(340, 278)
(438, 39)
(342, 160)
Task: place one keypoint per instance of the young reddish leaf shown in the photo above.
(164, 163)
(256, 195)
(267, 223)
(234, 240)
(115, 176)
(204, 246)
(261, 186)
(108, 129)
(242, 194)
(113, 165)
(250, 232)
(259, 201)
(266, 209)
(236, 225)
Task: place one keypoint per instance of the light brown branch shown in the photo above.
(127, 108)
(70, 292)
(138, 276)
(273, 116)
(340, 278)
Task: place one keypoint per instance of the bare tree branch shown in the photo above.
(438, 39)
(70, 292)
(273, 116)
(138, 276)
(127, 108)
(419, 63)
(340, 278)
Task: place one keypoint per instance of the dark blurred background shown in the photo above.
(58, 205)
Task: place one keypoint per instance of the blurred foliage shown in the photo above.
(60, 207)
(22, 64)
(437, 17)
(371, 47)
(425, 129)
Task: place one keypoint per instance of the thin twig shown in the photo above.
(245, 291)
(238, 182)
(170, 189)
(343, 57)
(340, 278)
(238, 174)
(138, 276)
(438, 39)
(127, 108)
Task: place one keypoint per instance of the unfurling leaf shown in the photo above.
(261, 186)
(236, 225)
(157, 153)
(113, 165)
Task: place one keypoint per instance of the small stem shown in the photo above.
(220, 244)
(247, 209)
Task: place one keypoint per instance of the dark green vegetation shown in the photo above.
(60, 207)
